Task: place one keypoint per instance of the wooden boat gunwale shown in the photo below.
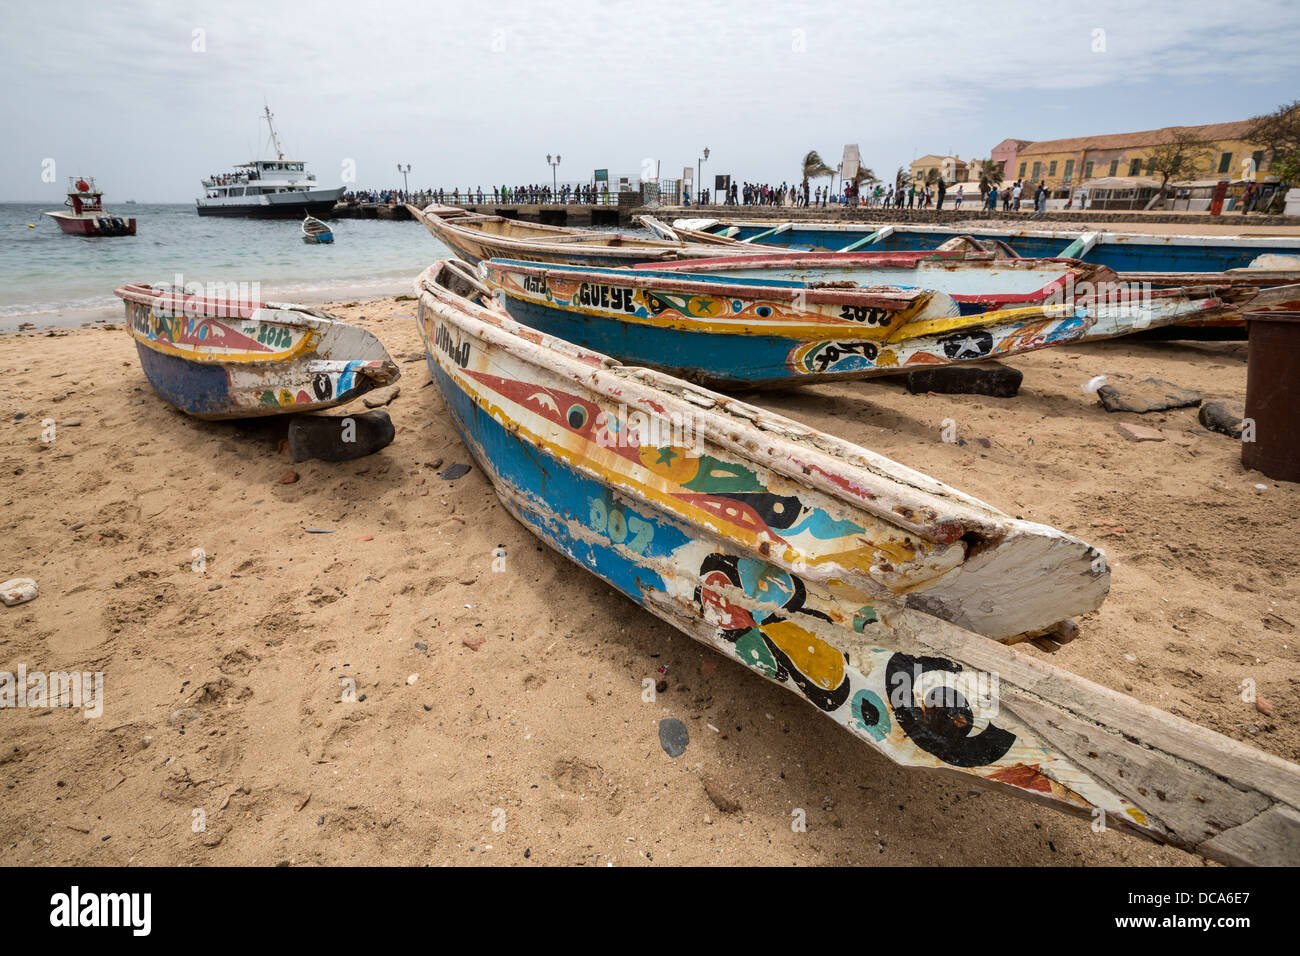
(620, 382)
(643, 277)
(1103, 236)
(937, 259)
(464, 233)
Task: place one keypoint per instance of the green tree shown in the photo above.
(1180, 158)
(1279, 132)
(990, 176)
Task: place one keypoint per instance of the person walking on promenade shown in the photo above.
(1040, 201)
(956, 200)
(943, 189)
(1016, 190)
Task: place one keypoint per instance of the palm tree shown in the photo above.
(814, 167)
(865, 176)
(990, 176)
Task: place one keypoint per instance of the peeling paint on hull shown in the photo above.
(771, 329)
(807, 559)
(218, 360)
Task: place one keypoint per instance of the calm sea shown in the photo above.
(49, 278)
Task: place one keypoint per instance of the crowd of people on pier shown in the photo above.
(912, 195)
(575, 193)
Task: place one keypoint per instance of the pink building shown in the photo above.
(1005, 153)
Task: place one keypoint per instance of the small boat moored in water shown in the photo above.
(316, 232)
(881, 597)
(217, 358)
(88, 216)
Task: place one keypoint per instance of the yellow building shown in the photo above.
(952, 168)
(1067, 163)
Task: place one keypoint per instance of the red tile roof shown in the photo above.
(1139, 140)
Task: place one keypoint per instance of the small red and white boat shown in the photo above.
(88, 217)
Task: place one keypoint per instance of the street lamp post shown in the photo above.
(699, 175)
(405, 188)
(555, 185)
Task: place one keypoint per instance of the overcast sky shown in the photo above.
(151, 96)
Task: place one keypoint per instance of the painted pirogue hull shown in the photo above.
(217, 359)
(977, 281)
(1122, 252)
(475, 238)
(866, 588)
(983, 282)
(750, 333)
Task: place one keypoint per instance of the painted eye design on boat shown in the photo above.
(764, 311)
(576, 416)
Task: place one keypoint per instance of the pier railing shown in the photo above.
(455, 197)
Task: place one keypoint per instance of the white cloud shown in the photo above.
(479, 94)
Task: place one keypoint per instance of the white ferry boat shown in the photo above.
(267, 188)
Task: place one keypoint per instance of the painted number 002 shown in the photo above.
(620, 528)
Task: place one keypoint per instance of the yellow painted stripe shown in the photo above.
(304, 345)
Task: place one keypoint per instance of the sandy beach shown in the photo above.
(498, 714)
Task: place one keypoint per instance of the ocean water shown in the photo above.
(48, 278)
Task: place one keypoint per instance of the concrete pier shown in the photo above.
(369, 210)
(626, 212)
(554, 214)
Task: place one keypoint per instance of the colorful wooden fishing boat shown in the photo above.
(1120, 251)
(219, 358)
(883, 598)
(316, 232)
(475, 237)
(984, 281)
(757, 332)
(976, 281)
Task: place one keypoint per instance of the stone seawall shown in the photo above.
(967, 213)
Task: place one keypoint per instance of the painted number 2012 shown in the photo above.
(619, 527)
(274, 336)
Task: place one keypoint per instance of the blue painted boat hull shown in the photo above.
(219, 358)
(1132, 255)
(696, 356)
(193, 387)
